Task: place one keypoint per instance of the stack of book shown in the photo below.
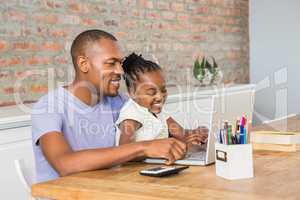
(276, 140)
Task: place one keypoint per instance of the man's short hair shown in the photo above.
(86, 38)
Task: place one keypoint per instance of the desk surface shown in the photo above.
(276, 177)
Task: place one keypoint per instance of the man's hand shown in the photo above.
(196, 136)
(171, 149)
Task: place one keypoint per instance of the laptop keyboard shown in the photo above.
(200, 155)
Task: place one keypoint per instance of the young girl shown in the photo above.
(142, 117)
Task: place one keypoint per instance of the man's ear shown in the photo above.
(83, 64)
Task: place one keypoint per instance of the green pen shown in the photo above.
(229, 134)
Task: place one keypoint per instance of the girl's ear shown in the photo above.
(83, 64)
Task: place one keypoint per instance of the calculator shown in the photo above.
(163, 171)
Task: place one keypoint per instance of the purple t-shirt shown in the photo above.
(84, 127)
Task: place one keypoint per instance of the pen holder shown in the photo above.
(234, 161)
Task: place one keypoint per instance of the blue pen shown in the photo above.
(242, 134)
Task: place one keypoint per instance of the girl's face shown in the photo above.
(150, 91)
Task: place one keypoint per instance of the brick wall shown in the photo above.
(35, 37)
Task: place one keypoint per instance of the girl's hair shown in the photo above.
(135, 64)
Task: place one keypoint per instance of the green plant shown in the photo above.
(199, 70)
(205, 70)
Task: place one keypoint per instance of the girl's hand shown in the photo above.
(196, 136)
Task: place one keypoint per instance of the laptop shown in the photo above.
(223, 106)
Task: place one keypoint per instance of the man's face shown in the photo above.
(105, 66)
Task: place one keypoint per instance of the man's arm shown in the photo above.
(65, 161)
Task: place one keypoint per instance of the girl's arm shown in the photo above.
(175, 129)
(195, 136)
(128, 128)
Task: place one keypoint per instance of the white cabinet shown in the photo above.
(15, 144)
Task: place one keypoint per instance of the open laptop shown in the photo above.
(224, 106)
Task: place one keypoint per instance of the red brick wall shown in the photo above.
(35, 36)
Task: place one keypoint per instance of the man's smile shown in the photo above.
(115, 81)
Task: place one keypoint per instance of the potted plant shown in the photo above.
(205, 72)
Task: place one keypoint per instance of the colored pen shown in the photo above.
(245, 136)
(220, 137)
(237, 125)
(236, 139)
(243, 121)
(226, 132)
(242, 134)
(229, 134)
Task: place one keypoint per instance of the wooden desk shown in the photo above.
(277, 176)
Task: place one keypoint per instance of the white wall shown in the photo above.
(275, 57)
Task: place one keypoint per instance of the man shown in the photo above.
(73, 126)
